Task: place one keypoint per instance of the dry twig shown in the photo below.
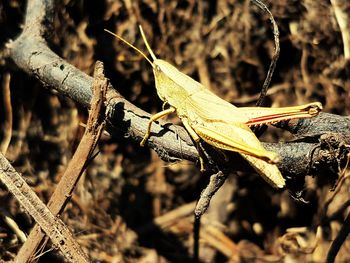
(8, 113)
(342, 13)
(78, 163)
(339, 240)
(275, 56)
(13, 225)
(58, 232)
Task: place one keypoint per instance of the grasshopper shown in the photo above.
(217, 122)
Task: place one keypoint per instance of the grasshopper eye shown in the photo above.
(157, 68)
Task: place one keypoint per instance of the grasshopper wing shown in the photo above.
(187, 95)
(232, 137)
(222, 125)
(269, 172)
(210, 107)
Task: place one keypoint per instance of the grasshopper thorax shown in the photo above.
(171, 84)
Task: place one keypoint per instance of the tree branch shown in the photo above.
(31, 53)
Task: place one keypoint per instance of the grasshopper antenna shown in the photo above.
(146, 43)
(133, 47)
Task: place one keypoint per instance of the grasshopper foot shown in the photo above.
(143, 142)
(201, 162)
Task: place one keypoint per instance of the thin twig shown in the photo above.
(169, 218)
(78, 163)
(339, 240)
(274, 57)
(215, 182)
(7, 128)
(216, 238)
(196, 236)
(343, 18)
(13, 225)
(6, 93)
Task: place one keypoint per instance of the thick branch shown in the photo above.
(31, 53)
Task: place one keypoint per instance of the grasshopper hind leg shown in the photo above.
(196, 138)
(201, 160)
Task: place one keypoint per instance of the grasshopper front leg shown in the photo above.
(154, 118)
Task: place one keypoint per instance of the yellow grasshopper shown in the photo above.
(216, 121)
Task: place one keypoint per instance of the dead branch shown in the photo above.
(58, 232)
(76, 166)
(216, 181)
(31, 53)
